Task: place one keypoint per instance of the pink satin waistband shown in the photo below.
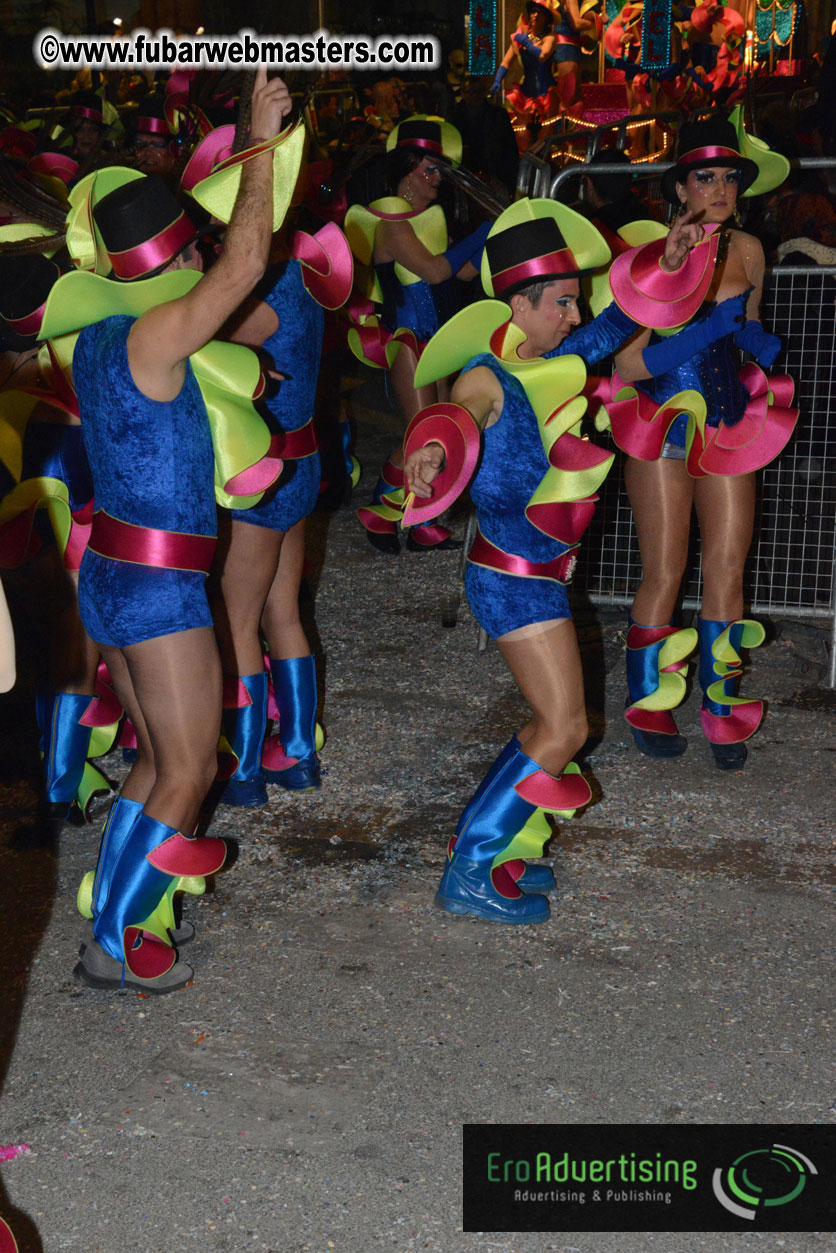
(484, 553)
(145, 546)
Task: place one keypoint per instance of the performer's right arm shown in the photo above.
(163, 338)
(479, 392)
(397, 241)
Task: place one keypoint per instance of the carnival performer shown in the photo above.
(47, 500)
(534, 494)
(142, 593)
(548, 43)
(262, 549)
(403, 238)
(696, 427)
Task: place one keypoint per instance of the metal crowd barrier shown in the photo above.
(791, 571)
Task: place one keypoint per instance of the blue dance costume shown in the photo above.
(513, 464)
(153, 466)
(568, 40)
(714, 373)
(296, 347)
(420, 307)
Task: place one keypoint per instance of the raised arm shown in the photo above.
(163, 338)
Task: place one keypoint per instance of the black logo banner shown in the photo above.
(639, 1177)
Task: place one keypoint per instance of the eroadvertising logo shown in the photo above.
(640, 1177)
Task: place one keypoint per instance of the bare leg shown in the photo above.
(248, 564)
(661, 496)
(142, 775)
(410, 400)
(177, 685)
(280, 617)
(547, 668)
(726, 512)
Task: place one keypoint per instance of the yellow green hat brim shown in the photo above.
(81, 298)
(584, 241)
(218, 192)
(14, 232)
(773, 168)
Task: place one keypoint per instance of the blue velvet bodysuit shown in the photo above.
(512, 465)
(295, 346)
(153, 466)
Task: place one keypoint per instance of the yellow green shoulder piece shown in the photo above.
(360, 227)
(773, 168)
(460, 339)
(227, 374)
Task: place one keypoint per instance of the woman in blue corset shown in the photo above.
(696, 427)
(534, 493)
(402, 239)
(262, 549)
(549, 45)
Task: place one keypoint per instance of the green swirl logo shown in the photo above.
(762, 1178)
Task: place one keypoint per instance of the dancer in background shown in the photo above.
(262, 549)
(404, 239)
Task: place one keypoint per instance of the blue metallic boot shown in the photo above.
(289, 758)
(244, 724)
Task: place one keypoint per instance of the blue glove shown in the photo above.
(752, 338)
(675, 350)
(525, 41)
(496, 86)
(599, 338)
(468, 249)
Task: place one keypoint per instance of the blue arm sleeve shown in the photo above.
(676, 349)
(469, 248)
(599, 338)
(752, 338)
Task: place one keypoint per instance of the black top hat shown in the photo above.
(25, 283)
(531, 252)
(428, 137)
(150, 118)
(711, 142)
(87, 106)
(142, 227)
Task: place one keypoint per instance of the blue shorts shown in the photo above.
(122, 603)
(506, 602)
(289, 500)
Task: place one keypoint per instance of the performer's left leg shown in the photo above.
(289, 757)
(725, 507)
(248, 560)
(533, 775)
